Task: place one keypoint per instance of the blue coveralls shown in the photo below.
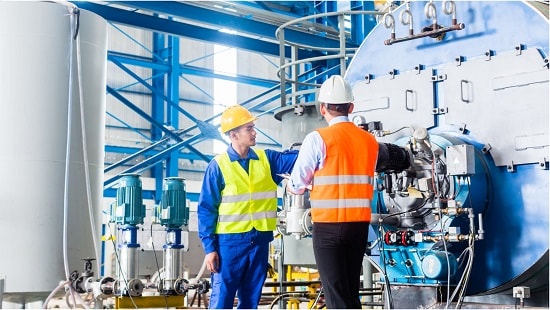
(243, 256)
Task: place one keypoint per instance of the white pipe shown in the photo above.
(201, 271)
(68, 147)
(62, 284)
(85, 156)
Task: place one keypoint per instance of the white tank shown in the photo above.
(35, 79)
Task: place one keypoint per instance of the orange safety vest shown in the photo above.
(343, 188)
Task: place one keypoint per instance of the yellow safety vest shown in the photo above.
(248, 200)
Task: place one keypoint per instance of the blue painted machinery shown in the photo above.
(462, 88)
(173, 213)
(457, 95)
(128, 212)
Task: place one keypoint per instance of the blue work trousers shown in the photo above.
(242, 270)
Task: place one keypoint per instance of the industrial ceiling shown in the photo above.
(245, 25)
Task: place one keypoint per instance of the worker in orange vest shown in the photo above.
(338, 162)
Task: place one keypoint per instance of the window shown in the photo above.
(225, 92)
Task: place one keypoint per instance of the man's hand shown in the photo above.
(212, 261)
(297, 192)
(289, 189)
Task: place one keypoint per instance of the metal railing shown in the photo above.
(302, 88)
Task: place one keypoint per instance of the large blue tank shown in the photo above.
(481, 92)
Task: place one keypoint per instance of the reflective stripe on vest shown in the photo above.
(343, 187)
(248, 196)
(245, 217)
(344, 179)
(248, 200)
(342, 203)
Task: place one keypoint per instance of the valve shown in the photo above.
(402, 237)
(296, 218)
(203, 286)
(134, 287)
(106, 287)
(80, 282)
(88, 267)
(181, 286)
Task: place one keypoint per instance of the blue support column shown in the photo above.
(157, 110)
(327, 7)
(172, 114)
(331, 21)
(361, 25)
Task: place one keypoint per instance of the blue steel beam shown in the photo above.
(135, 152)
(122, 90)
(158, 84)
(148, 194)
(153, 90)
(149, 152)
(171, 133)
(159, 156)
(362, 24)
(256, 107)
(290, 8)
(205, 127)
(126, 126)
(245, 24)
(164, 67)
(188, 70)
(172, 109)
(141, 113)
(197, 125)
(153, 23)
(153, 160)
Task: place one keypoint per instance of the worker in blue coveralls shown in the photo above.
(237, 212)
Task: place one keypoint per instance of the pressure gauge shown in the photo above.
(358, 120)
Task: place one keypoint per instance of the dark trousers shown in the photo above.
(339, 249)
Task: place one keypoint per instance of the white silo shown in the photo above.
(52, 63)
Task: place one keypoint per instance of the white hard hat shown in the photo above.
(335, 90)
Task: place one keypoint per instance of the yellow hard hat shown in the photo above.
(235, 116)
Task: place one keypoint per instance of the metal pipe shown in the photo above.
(342, 52)
(173, 269)
(309, 295)
(128, 263)
(431, 13)
(406, 18)
(449, 8)
(480, 231)
(291, 283)
(1, 290)
(434, 33)
(367, 276)
(389, 22)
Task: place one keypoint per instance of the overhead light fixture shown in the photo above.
(230, 9)
(225, 30)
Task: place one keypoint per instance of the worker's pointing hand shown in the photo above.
(212, 261)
